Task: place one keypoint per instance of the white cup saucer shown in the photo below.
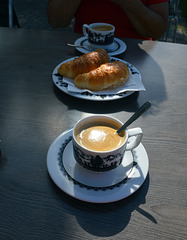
(117, 47)
(90, 186)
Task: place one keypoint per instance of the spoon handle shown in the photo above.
(79, 46)
(137, 114)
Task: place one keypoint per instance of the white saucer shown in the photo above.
(116, 48)
(95, 187)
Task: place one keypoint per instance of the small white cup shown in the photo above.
(99, 34)
(101, 161)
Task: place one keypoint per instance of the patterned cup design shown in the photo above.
(98, 37)
(97, 163)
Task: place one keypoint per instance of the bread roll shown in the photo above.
(109, 75)
(84, 63)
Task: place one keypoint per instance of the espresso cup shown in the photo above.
(99, 34)
(98, 147)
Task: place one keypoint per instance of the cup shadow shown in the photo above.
(107, 219)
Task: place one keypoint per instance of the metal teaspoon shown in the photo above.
(135, 116)
(73, 45)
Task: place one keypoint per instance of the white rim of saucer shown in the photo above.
(91, 194)
(122, 46)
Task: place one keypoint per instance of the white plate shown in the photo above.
(117, 47)
(95, 187)
(135, 77)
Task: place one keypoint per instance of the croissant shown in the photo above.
(109, 75)
(84, 63)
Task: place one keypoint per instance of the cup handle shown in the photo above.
(84, 27)
(138, 134)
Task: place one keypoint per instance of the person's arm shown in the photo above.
(149, 21)
(61, 12)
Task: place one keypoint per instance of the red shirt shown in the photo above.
(91, 11)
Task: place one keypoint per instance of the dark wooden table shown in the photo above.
(33, 112)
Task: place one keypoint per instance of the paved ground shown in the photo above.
(31, 14)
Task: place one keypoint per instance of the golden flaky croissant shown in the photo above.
(109, 75)
(84, 63)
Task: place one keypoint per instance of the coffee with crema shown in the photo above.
(100, 138)
(102, 28)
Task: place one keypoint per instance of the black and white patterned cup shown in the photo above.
(101, 161)
(100, 35)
